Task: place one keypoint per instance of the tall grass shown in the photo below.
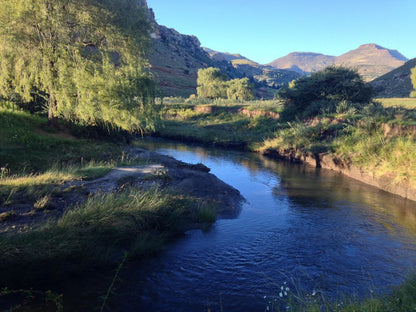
(28, 145)
(97, 233)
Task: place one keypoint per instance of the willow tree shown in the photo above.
(86, 56)
(413, 78)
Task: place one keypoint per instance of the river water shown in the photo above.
(309, 230)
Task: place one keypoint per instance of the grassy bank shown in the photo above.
(225, 123)
(36, 161)
(379, 138)
(96, 234)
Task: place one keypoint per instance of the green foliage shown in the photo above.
(413, 78)
(213, 84)
(27, 144)
(86, 58)
(240, 89)
(324, 91)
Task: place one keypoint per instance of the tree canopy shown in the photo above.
(325, 90)
(213, 84)
(85, 57)
(413, 78)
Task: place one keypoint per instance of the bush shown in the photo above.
(327, 91)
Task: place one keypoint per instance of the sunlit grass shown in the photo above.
(409, 103)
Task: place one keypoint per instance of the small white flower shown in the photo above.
(285, 293)
(281, 295)
(264, 297)
(313, 292)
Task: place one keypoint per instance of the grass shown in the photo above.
(408, 103)
(28, 145)
(98, 232)
(379, 139)
(400, 299)
(218, 122)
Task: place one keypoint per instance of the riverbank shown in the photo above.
(376, 145)
(68, 211)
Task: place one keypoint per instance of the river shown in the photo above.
(307, 230)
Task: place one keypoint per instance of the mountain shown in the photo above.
(371, 60)
(396, 83)
(175, 59)
(224, 56)
(263, 74)
(303, 62)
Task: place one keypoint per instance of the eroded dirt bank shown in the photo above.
(385, 182)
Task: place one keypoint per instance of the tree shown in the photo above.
(85, 56)
(211, 83)
(240, 89)
(413, 78)
(325, 90)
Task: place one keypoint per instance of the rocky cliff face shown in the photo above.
(175, 59)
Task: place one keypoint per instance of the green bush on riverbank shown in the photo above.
(377, 138)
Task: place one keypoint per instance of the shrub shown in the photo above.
(326, 91)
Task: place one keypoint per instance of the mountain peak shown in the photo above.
(372, 60)
(371, 46)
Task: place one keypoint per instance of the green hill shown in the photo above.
(395, 83)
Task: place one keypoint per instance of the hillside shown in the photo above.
(371, 60)
(267, 78)
(175, 59)
(396, 83)
(303, 62)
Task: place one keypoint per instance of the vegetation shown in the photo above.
(341, 120)
(90, 235)
(94, 233)
(401, 299)
(220, 122)
(213, 84)
(404, 103)
(84, 60)
(413, 78)
(28, 144)
(325, 91)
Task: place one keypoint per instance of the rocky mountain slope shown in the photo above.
(371, 60)
(175, 59)
(396, 83)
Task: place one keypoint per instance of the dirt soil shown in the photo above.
(162, 171)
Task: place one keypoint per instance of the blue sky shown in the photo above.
(263, 30)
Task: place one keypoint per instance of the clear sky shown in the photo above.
(263, 30)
